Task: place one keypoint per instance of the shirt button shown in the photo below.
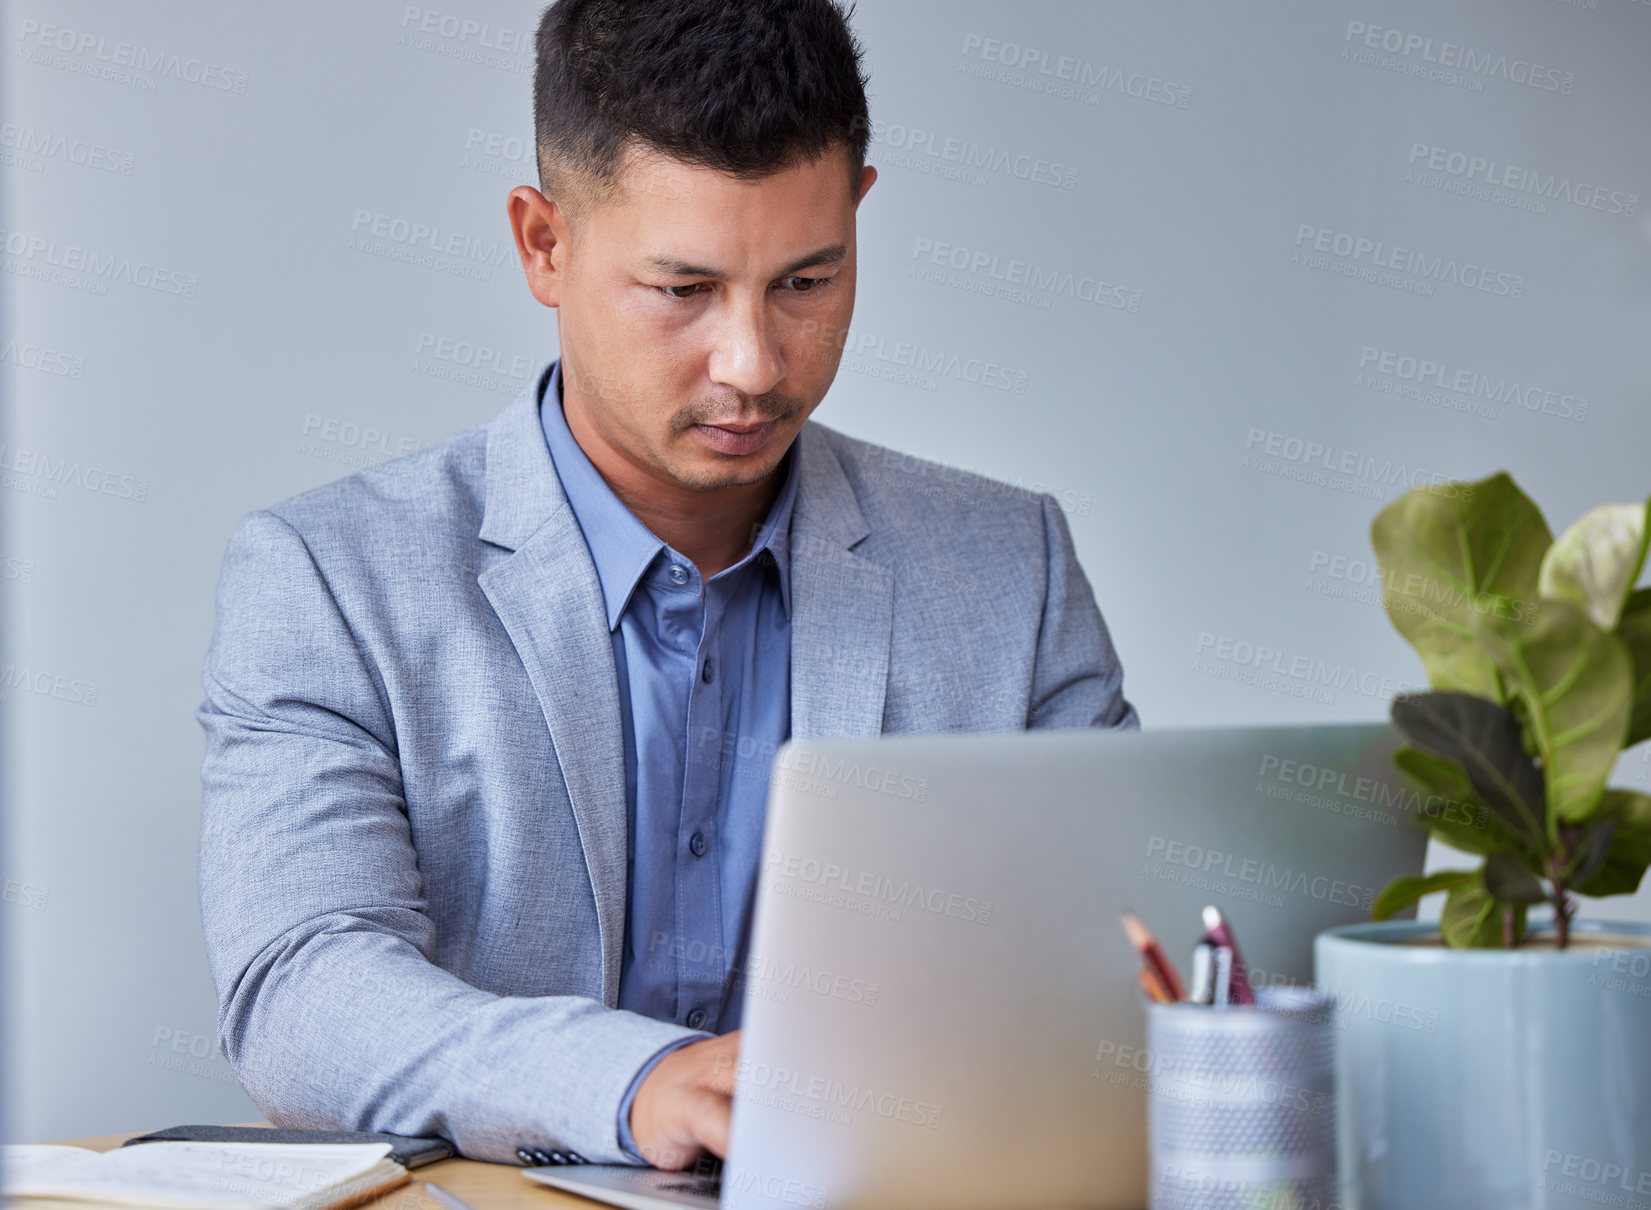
(678, 574)
(696, 1019)
(707, 672)
(697, 844)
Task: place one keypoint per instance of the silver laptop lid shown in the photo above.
(941, 1007)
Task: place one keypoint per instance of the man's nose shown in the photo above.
(747, 354)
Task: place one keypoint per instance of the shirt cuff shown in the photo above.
(627, 1143)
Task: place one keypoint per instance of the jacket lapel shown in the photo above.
(549, 599)
(842, 605)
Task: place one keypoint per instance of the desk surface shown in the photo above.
(481, 1186)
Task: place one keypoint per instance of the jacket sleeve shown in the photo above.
(1078, 680)
(330, 1009)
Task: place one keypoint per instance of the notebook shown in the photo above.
(204, 1176)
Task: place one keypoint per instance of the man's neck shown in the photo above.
(715, 529)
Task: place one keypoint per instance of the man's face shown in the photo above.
(702, 317)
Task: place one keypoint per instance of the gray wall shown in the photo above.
(1216, 367)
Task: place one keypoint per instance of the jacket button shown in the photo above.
(696, 1019)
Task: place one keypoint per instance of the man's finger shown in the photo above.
(709, 1120)
(725, 1065)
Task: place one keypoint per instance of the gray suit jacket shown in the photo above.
(412, 851)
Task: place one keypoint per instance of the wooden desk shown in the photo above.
(481, 1186)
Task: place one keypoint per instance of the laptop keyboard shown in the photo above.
(698, 1186)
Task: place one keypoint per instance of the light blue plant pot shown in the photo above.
(1513, 1080)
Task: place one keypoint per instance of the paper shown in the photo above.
(188, 1174)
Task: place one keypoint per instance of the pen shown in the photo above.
(1202, 988)
(1153, 955)
(1221, 983)
(444, 1197)
(1217, 930)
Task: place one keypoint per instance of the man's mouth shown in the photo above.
(737, 438)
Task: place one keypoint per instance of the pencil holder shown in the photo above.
(1241, 1103)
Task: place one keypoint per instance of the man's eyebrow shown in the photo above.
(830, 254)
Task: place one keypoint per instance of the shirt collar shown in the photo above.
(620, 545)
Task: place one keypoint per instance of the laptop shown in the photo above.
(941, 1006)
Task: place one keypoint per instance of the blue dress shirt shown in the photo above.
(704, 700)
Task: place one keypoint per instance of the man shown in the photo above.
(488, 726)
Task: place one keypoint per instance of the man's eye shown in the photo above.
(814, 284)
(691, 288)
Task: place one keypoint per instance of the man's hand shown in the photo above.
(682, 1107)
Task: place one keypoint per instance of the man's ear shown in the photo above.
(868, 174)
(541, 232)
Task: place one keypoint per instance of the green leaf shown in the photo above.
(1483, 738)
(1590, 845)
(1509, 880)
(1453, 811)
(1575, 682)
(1634, 629)
(1402, 892)
(1471, 918)
(1596, 562)
(1449, 553)
(1630, 849)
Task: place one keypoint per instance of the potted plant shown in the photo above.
(1498, 1060)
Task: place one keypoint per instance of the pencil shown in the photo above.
(1152, 986)
(1153, 955)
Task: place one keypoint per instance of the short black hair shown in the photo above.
(747, 87)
